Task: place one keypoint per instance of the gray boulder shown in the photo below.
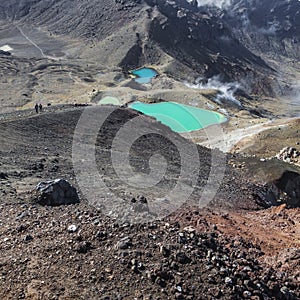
(3, 175)
(56, 192)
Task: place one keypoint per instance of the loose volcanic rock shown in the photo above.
(3, 175)
(288, 154)
(56, 192)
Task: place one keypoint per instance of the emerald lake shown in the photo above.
(109, 100)
(180, 117)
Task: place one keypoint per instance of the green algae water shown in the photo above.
(144, 75)
(179, 117)
(109, 100)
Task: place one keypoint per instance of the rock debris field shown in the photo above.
(233, 249)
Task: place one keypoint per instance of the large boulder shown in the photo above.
(56, 192)
(284, 190)
(289, 184)
(3, 175)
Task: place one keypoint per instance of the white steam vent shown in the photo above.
(226, 90)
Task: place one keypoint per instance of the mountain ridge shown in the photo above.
(245, 41)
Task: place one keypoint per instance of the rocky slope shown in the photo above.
(32, 148)
(232, 250)
(74, 252)
(202, 39)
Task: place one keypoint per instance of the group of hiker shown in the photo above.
(38, 108)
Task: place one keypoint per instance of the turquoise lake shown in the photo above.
(144, 75)
(180, 117)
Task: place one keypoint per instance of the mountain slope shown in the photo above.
(199, 40)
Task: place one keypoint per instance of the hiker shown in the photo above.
(36, 108)
(41, 107)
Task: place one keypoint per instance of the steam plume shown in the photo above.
(226, 90)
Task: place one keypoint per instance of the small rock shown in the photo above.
(223, 271)
(179, 296)
(183, 258)
(179, 289)
(247, 294)
(28, 238)
(101, 235)
(174, 266)
(166, 252)
(124, 243)
(189, 229)
(160, 282)
(285, 291)
(21, 228)
(83, 247)
(182, 238)
(247, 269)
(22, 215)
(142, 199)
(215, 292)
(72, 228)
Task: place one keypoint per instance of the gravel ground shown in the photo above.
(74, 252)
(232, 250)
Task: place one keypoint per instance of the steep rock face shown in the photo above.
(270, 28)
(202, 42)
(201, 38)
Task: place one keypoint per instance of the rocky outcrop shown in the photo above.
(234, 255)
(56, 192)
(284, 190)
(288, 154)
(289, 185)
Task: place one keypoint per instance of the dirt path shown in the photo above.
(35, 45)
(227, 141)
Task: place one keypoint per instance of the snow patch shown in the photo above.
(6, 48)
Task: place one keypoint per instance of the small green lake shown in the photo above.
(109, 100)
(180, 117)
(144, 75)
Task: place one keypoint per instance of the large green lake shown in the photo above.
(180, 117)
